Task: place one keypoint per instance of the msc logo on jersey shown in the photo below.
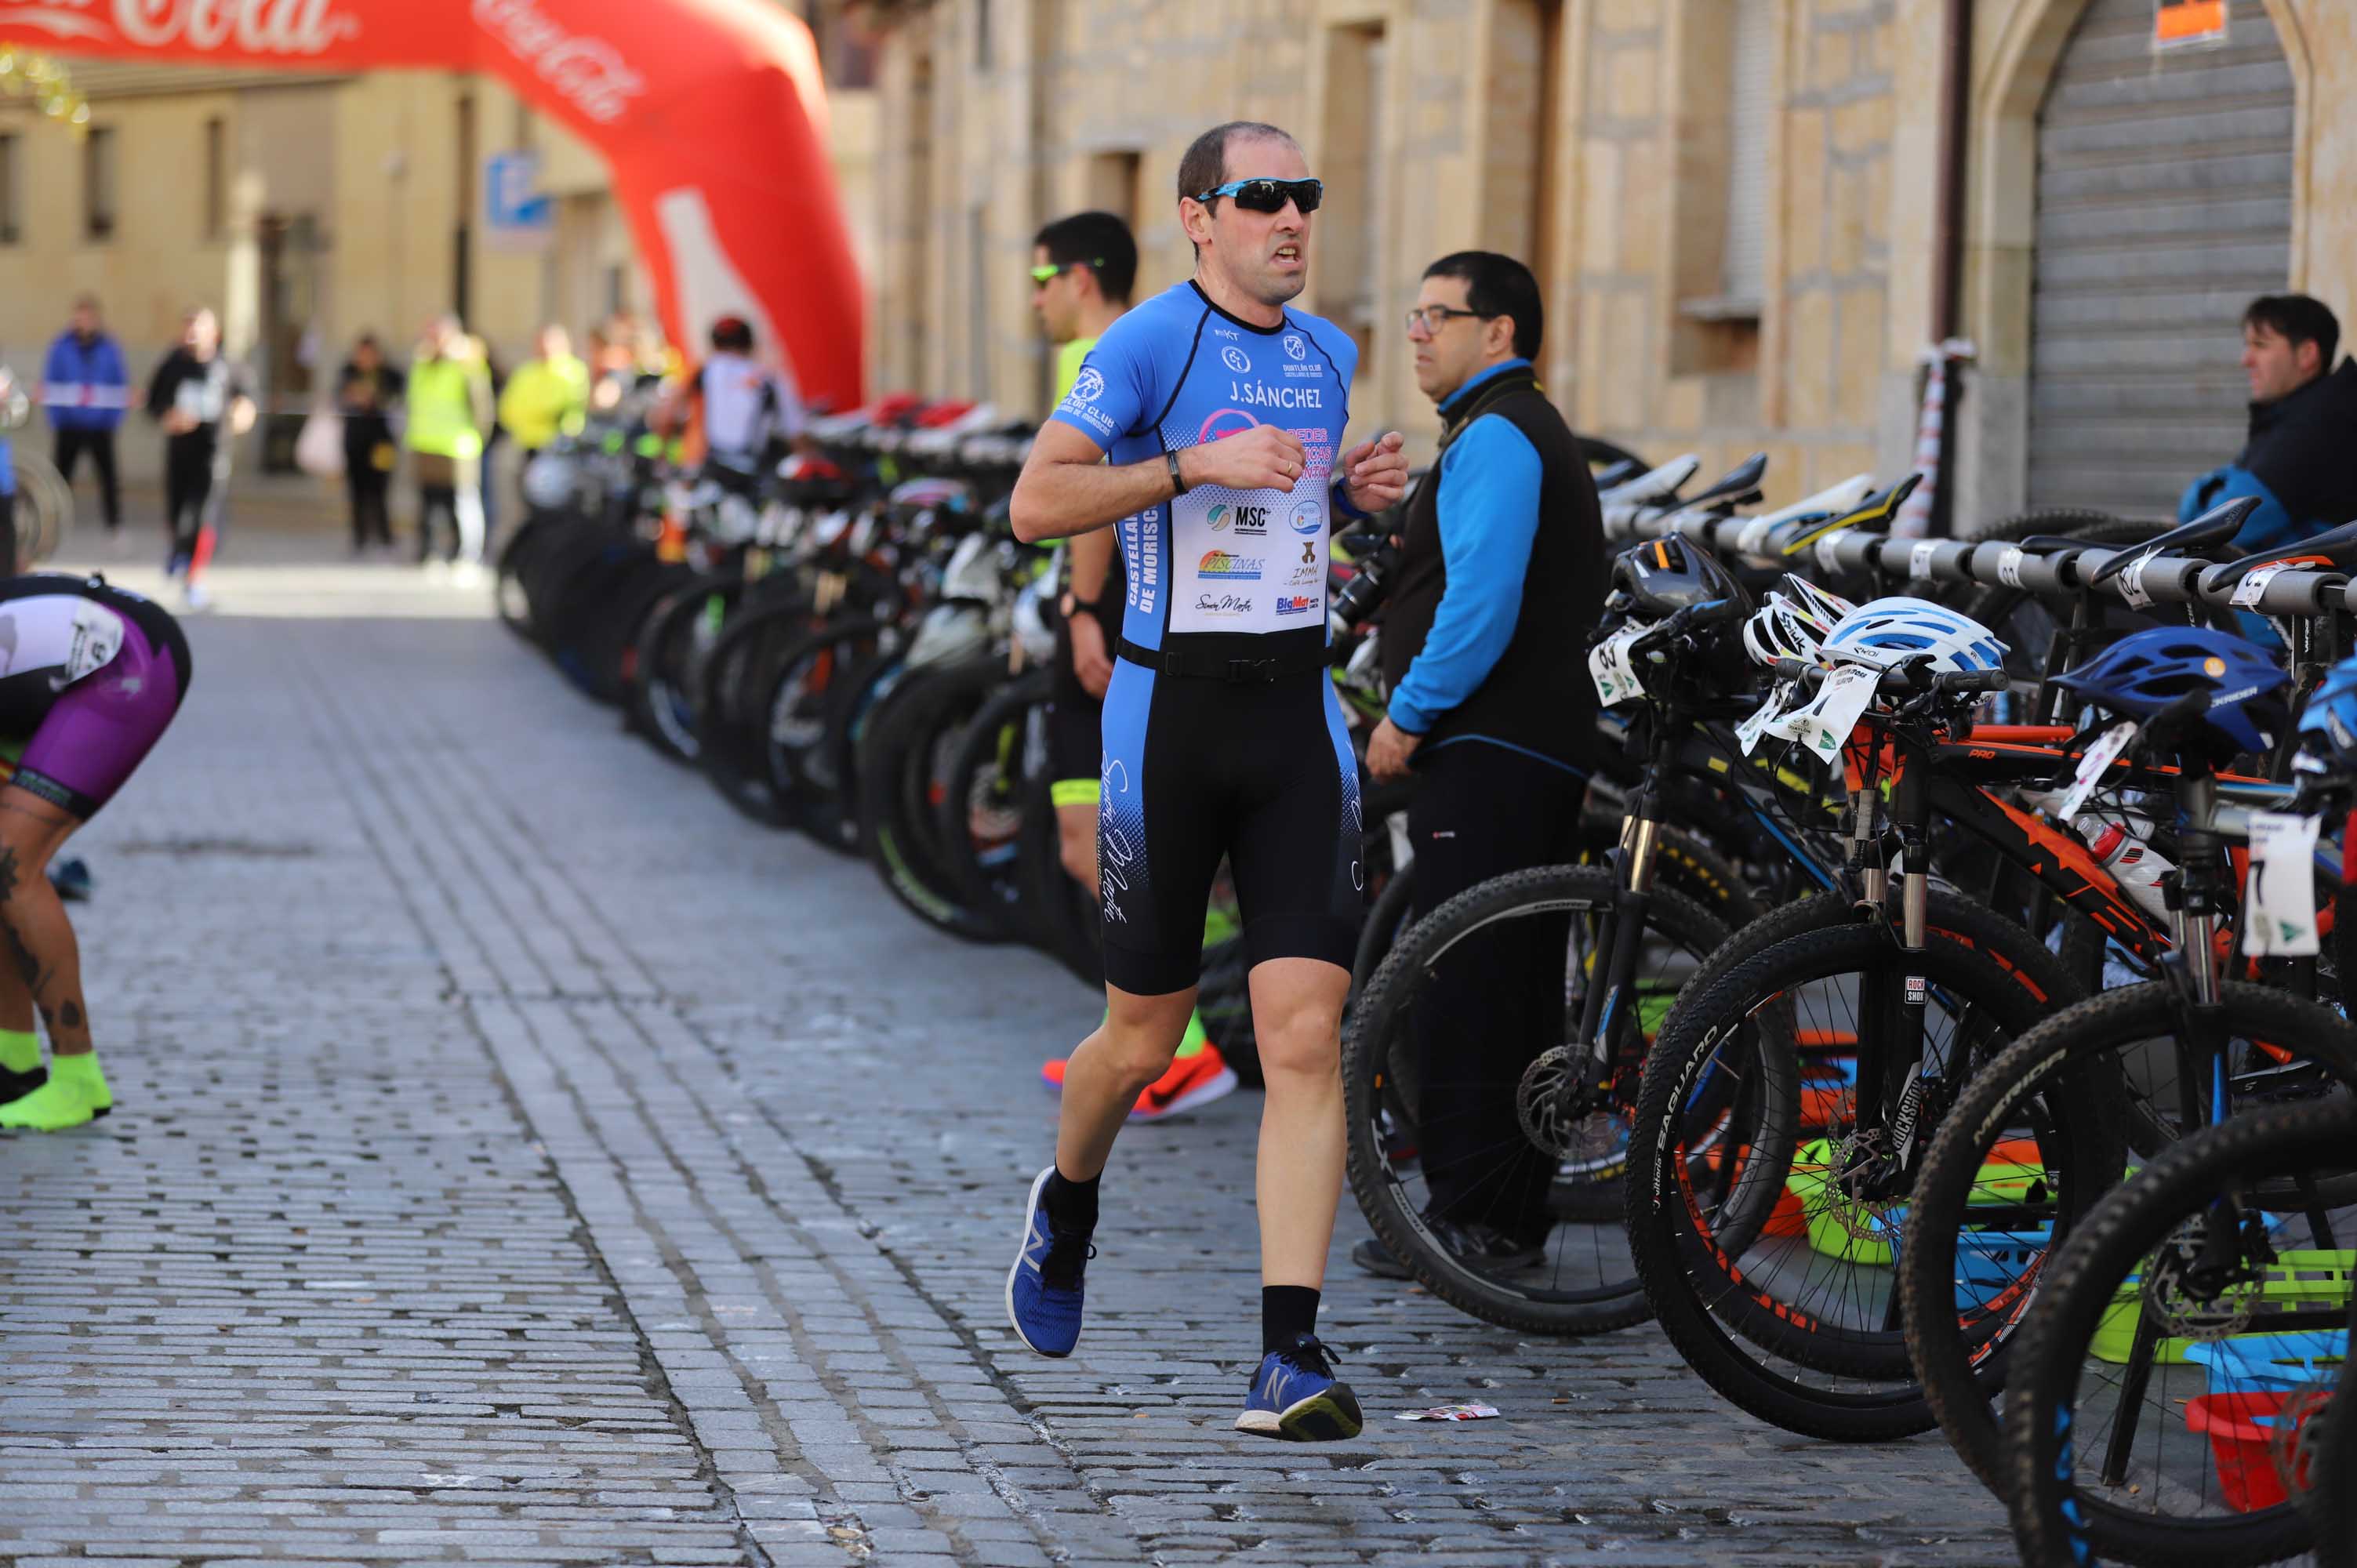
(1295, 604)
(1236, 359)
(1247, 519)
(1295, 349)
(1308, 517)
(1224, 423)
(1219, 564)
(1089, 386)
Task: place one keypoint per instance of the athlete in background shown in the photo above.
(90, 679)
(204, 402)
(1221, 412)
(1082, 269)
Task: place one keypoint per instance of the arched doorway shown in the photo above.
(2164, 203)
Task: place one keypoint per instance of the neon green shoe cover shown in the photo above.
(75, 1093)
(20, 1050)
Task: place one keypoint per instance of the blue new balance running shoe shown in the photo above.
(1296, 1395)
(1046, 1286)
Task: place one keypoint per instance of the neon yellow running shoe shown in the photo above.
(75, 1095)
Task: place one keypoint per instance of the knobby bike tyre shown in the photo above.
(2056, 1074)
(986, 795)
(681, 630)
(733, 681)
(2058, 1522)
(1711, 1294)
(903, 784)
(824, 777)
(1584, 1287)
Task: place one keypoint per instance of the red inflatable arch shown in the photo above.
(710, 112)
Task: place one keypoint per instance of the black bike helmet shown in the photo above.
(1656, 579)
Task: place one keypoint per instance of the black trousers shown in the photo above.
(369, 486)
(191, 469)
(1482, 810)
(100, 444)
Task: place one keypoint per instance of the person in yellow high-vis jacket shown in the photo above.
(547, 396)
(449, 404)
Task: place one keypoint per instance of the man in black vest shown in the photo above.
(1500, 580)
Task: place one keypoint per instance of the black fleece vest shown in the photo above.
(1538, 694)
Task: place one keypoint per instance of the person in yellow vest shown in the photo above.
(449, 404)
(547, 396)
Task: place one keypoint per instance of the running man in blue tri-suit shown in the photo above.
(1221, 412)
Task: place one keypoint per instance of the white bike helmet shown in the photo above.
(1791, 622)
(1890, 631)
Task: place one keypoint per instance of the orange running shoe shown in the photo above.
(1191, 1081)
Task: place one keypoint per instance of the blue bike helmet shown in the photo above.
(2141, 674)
(2327, 726)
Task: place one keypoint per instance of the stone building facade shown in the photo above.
(1731, 204)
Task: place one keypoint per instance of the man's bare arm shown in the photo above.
(1092, 564)
(1068, 488)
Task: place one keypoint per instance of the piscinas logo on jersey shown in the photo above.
(1220, 564)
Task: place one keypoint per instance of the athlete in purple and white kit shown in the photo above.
(90, 679)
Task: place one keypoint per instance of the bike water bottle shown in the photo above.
(2135, 863)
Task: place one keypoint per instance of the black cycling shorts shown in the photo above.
(1259, 772)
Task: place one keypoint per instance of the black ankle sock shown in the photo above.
(1071, 1205)
(1286, 1312)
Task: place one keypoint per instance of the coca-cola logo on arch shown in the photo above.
(590, 72)
(256, 26)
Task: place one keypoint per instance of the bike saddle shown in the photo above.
(1737, 486)
(2215, 526)
(2335, 549)
(1876, 512)
(1655, 486)
(1872, 513)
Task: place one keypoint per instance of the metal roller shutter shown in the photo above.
(2164, 204)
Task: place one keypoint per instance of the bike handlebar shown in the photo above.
(1905, 680)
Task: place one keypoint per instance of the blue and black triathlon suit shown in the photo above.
(1222, 733)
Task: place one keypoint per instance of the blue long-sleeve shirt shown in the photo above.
(1488, 513)
(85, 385)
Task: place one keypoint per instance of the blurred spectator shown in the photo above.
(449, 404)
(547, 395)
(196, 391)
(86, 390)
(366, 394)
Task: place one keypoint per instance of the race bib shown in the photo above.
(1825, 723)
(1748, 733)
(2131, 584)
(1610, 666)
(2247, 591)
(2008, 565)
(2092, 762)
(2279, 912)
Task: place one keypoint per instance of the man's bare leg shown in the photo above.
(38, 949)
(1128, 1051)
(1297, 1014)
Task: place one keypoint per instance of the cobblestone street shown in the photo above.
(520, 1157)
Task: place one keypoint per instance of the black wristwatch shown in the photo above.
(1072, 602)
(1177, 484)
